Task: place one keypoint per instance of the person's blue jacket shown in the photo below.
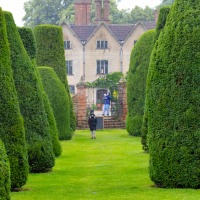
(107, 100)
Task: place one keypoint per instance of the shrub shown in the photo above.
(136, 82)
(11, 122)
(30, 46)
(173, 93)
(50, 52)
(164, 11)
(58, 99)
(5, 174)
(28, 40)
(40, 149)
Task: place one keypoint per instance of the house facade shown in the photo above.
(94, 50)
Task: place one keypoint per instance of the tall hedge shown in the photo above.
(58, 99)
(5, 184)
(50, 52)
(40, 149)
(164, 11)
(173, 93)
(136, 81)
(11, 122)
(28, 40)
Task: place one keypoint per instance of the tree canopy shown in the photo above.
(58, 11)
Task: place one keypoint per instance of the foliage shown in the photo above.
(58, 99)
(164, 11)
(140, 14)
(165, 3)
(29, 43)
(110, 81)
(28, 40)
(173, 92)
(58, 11)
(40, 150)
(5, 174)
(45, 11)
(11, 122)
(50, 52)
(136, 81)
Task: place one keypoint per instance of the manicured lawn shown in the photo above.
(111, 167)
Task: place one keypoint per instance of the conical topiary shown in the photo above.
(11, 122)
(50, 52)
(164, 11)
(5, 174)
(40, 148)
(136, 82)
(173, 93)
(58, 100)
(30, 46)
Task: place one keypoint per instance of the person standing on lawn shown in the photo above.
(92, 121)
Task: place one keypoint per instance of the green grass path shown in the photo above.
(111, 167)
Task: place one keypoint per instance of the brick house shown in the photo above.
(94, 50)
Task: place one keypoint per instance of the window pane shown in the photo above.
(106, 44)
(106, 69)
(98, 66)
(98, 44)
(72, 89)
(68, 45)
(69, 67)
(102, 44)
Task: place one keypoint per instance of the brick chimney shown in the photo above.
(82, 12)
(98, 11)
(106, 11)
(102, 11)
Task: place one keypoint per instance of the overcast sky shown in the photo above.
(17, 10)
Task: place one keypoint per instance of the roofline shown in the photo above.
(74, 33)
(106, 26)
(136, 25)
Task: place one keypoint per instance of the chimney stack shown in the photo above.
(102, 11)
(82, 12)
(106, 10)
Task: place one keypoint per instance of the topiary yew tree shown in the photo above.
(5, 174)
(173, 93)
(11, 122)
(50, 52)
(58, 99)
(28, 40)
(40, 149)
(136, 82)
(164, 11)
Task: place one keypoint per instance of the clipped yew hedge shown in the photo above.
(173, 93)
(164, 11)
(28, 40)
(11, 122)
(50, 52)
(58, 99)
(30, 46)
(136, 82)
(40, 149)
(5, 184)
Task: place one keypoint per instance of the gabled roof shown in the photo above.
(119, 31)
(149, 25)
(83, 32)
